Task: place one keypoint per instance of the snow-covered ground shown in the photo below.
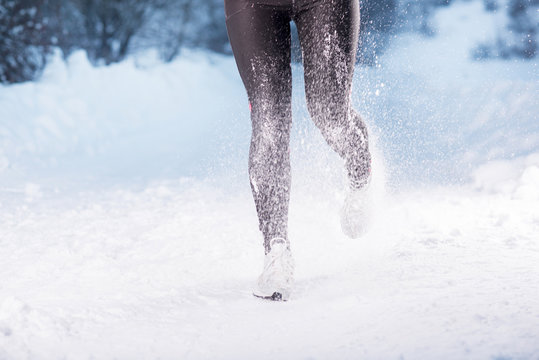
(127, 228)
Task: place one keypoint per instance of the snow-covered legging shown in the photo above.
(259, 33)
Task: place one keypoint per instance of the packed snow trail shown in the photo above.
(127, 228)
(167, 272)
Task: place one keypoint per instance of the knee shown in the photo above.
(271, 100)
(271, 124)
(327, 110)
(270, 141)
(269, 153)
(330, 117)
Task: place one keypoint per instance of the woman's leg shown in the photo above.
(260, 39)
(328, 32)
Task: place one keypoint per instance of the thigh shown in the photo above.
(260, 40)
(328, 32)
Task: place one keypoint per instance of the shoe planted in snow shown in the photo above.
(275, 282)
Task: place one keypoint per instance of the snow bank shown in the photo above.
(442, 114)
(136, 119)
(517, 178)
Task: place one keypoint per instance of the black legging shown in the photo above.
(259, 32)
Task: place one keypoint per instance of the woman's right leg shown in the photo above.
(260, 39)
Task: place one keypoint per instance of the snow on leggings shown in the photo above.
(259, 33)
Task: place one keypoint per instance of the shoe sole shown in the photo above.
(276, 296)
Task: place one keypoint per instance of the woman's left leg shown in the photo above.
(328, 32)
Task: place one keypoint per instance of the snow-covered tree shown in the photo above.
(518, 36)
(177, 24)
(416, 15)
(523, 27)
(377, 22)
(64, 25)
(23, 40)
(110, 26)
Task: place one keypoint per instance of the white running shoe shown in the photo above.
(356, 213)
(275, 282)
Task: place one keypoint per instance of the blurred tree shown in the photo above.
(416, 15)
(213, 35)
(64, 24)
(23, 41)
(110, 26)
(518, 38)
(378, 18)
(111, 29)
(174, 34)
(177, 24)
(523, 26)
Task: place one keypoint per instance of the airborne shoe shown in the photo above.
(275, 282)
(356, 212)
